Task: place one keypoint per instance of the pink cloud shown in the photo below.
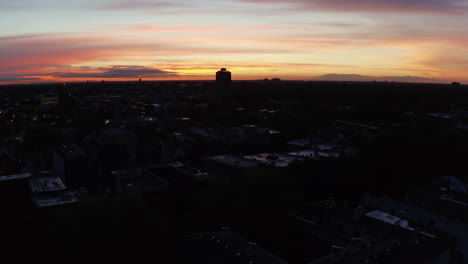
(33, 50)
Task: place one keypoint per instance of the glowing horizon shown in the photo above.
(400, 40)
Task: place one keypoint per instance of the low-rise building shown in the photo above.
(35, 190)
(339, 233)
(426, 221)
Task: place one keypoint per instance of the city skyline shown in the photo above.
(397, 40)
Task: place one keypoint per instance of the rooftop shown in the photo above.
(275, 159)
(300, 142)
(224, 246)
(43, 200)
(308, 153)
(262, 130)
(195, 173)
(202, 132)
(440, 115)
(46, 183)
(390, 219)
(340, 122)
(236, 161)
(15, 177)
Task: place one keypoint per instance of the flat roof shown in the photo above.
(276, 159)
(262, 129)
(15, 177)
(300, 142)
(46, 183)
(309, 153)
(43, 200)
(390, 219)
(202, 132)
(236, 161)
(441, 115)
(357, 124)
(194, 172)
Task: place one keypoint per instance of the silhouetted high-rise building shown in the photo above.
(223, 78)
(69, 163)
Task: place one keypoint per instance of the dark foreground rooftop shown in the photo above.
(224, 246)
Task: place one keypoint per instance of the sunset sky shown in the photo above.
(400, 40)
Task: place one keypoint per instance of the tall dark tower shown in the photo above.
(223, 78)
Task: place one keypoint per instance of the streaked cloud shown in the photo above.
(410, 6)
(136, 5)
(80, 73)
(9, 78)
(299, 39)
(119, 72)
